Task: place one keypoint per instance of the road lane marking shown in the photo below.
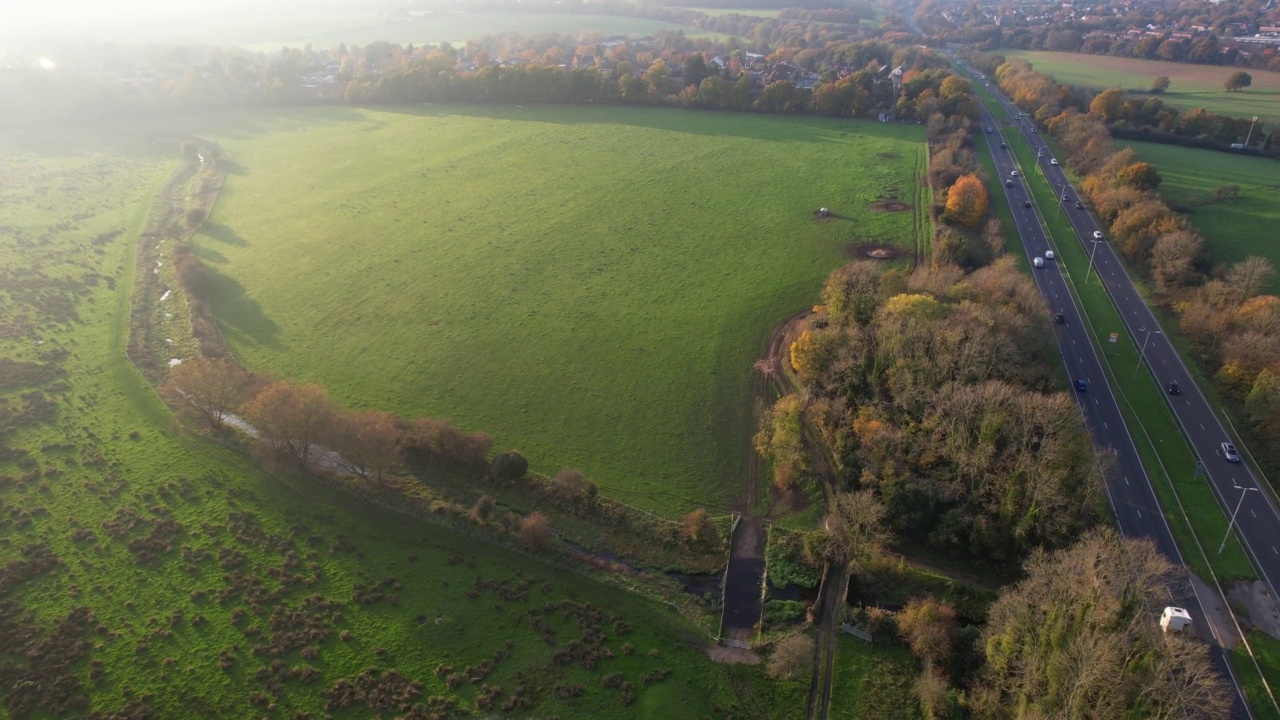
(1126, 480)
(1253, 513)
(1140, 517)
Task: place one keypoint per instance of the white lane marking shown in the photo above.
(1140, 517)
(1126, 480)
(1095, 401)
(1202, 426)
(1253, 513)
(1105, 427)
(1273, 549)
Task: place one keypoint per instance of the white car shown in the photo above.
(1014, 173)
(1097, 234)
(1053, 161)
(1038, 261)
(1048, 255)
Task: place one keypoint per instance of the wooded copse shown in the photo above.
(1079, 637)
(1234, 328)
(936, 390)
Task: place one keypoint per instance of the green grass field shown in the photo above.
(1193, 86)
(200, 572)
(589, 285)
(1233, 228)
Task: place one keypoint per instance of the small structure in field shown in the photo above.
(824, 212)
(1175, 620)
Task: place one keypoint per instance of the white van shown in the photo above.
(1038, 261)
(1048, 255)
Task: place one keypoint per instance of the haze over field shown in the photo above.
(268, 25)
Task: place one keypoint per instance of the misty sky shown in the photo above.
(28, 23)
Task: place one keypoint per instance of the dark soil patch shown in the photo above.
(889, 206)
(874, 251)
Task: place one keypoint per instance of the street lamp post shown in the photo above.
(1142, 354)
(1250, 135)
(1062, 205)
(1243, 492)
(1092, 250)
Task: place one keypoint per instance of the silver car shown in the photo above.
(1229, 452)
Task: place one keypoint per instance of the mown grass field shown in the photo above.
(1233, 228)
(1193, 86)
(589, 285)
(184, 580)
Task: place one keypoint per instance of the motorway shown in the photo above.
(1258, 523)
(1133, 500)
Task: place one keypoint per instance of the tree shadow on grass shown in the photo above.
(793, 128)
(223, 234)
(239, 316)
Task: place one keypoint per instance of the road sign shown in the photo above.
(1115, 338)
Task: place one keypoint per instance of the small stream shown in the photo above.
(702, 585)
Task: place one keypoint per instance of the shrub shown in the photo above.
(482, 510)
(535, 531)
(510, 465)
(790, 657)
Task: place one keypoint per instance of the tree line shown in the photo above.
(1233, 325)
(1147, 118)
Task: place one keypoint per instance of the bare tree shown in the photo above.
(855, 527)
(535, 531)
(368, 443)
(291, 418)
(207, 388)
(1248, 276)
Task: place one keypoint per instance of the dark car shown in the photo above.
(1081, 385)
(1059, 318)
(1008, 183)
(988, 130)
(1173, 388)
(1002, 146)
(1079, 205)
(1026, 203)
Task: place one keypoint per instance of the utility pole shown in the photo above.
(1250, 135)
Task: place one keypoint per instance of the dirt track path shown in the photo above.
(744, 581)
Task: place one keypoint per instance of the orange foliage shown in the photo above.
(967, 202)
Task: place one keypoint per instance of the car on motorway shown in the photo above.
(1229, 452)
(1008, 183)
(1081, 385)
(988, 131)
(1053, 161)
(1059, 318)
(1172, 387)
(1003, 146)
(1048, 255)
(1033, 130)
(1097, 234)
(1079, 205)
(1013, 173)
(1037, 261)
(1026, 203)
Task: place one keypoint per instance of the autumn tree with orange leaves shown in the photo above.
(967, 202)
